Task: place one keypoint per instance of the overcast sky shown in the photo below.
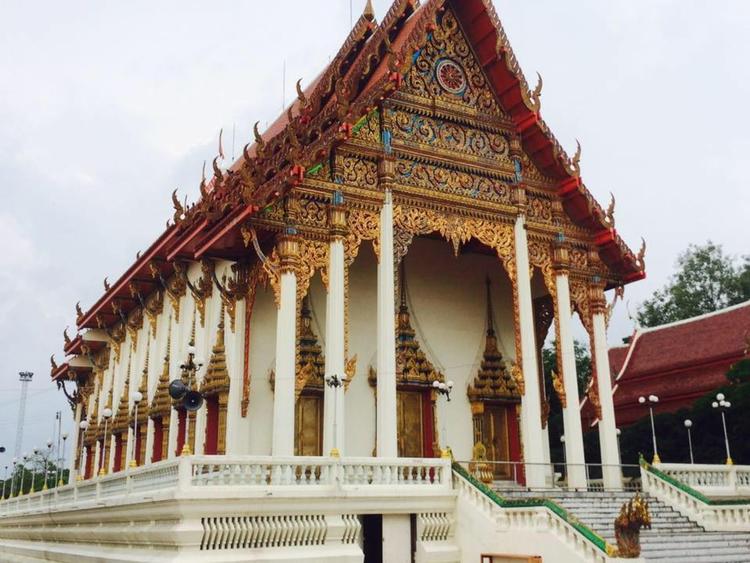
(106, 107)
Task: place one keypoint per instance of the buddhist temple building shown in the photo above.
(355, 303)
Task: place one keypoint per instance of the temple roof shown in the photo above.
(717, 336)
(679, 361)
(368, 68)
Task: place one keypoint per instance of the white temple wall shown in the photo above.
(446, 296)
(258, 423)
(237, 437)
(360, 397)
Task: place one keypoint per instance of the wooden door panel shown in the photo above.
(495, 439)
(410, 431)
(309, 422)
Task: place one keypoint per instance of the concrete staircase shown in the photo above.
(672, 537)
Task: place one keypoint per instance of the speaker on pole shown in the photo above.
(193, 401)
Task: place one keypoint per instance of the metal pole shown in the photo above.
(690, 445)
(104, 448)
(135, 436)
(726, 438)
(186, 446)
(5, 479)
(62, 463)
(653, 435)
(58, 416)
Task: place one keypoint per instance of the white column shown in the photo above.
(571, 415)
(386, 338)
(286, 344)
(149, 437)
(611, 472)
(531, 408)
(74, 443)
(334, 356)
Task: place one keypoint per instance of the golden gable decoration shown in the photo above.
(493, 381)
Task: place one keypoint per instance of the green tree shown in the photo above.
(583, 365)
(706, 280)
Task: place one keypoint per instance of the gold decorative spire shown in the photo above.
(369, 13)
(493, 380)
(161, 404)
(412, 365)
(310, 352)
(120, 423)
(216, 380)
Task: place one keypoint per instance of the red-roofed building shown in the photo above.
(678, 362)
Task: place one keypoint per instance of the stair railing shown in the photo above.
(591, 546)
(712, 514)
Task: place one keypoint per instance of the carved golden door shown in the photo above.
(495, 438)
(309, 425)
(410, 436)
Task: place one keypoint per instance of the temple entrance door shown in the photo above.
(410, 418)
(495, 430)
(309, 422)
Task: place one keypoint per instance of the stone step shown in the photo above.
(703, 558)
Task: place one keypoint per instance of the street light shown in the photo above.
(445, 390)
(723, 406)
(35, 452)
(107, 414)
(652, 400)
(45, 461)
(334, 382)
(25, 458)
(83, 425)
(689, 424)
(5, 480)
(13, 476)
(137, 398)
(60, 483)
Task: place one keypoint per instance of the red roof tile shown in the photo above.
(700, 340)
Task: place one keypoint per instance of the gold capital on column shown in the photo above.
(337, 216)
(596, 296)
(386, 172)
(561, 255)
(288, 248)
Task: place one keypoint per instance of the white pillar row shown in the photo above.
(387, 439)
(286, 344)
(333, 409)
(610, 452)
(574, 456)
(531, 408)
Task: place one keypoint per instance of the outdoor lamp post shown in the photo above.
(723, 406)
(25, 458)
(45, 460)
(182, 389)
(13, 476)
(107, 414)
(445, 390)
(689, 424)
(334, 382)
(5, 480)
(137, 398)
(83, 425)
(60, 483)
(35, 452)
(652, 400)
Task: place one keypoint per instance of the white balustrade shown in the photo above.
(711, 480)
(715, 515)
(531, 518)
(244, 475)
